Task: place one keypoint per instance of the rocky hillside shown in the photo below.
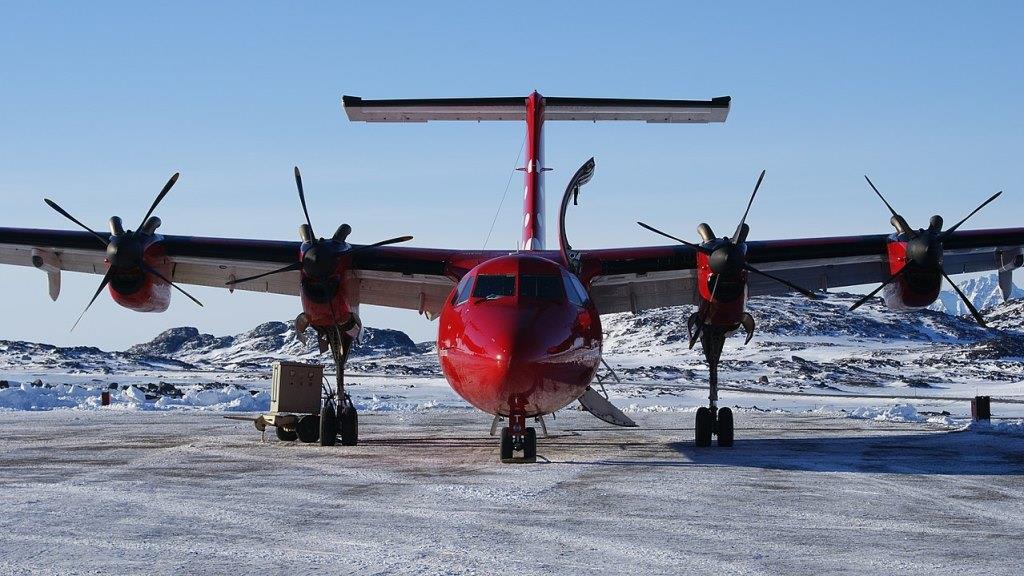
(798, 342)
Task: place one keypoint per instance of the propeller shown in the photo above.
(924, 249)
(726, 256)
(320, 256)
(729, 255)
(126, 248)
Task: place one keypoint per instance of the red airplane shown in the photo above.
(519, 332)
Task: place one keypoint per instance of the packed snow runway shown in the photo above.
(167, 492)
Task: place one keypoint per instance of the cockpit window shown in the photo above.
(544, 287)
(576, 292)
(462, 292)
(494, 286)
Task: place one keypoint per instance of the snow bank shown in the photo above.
(227, 399)
(894, 413)
(387, 403)
(28, 397)
(1014, 427)
(638, 409)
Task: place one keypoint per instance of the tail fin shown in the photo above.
(535, 110)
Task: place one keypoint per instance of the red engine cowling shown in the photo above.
(325, 301)
(916, 288)
(140, 291)
(729, 302)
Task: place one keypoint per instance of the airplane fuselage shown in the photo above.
(519, 337)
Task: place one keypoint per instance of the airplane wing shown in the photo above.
(633, 279)
(620, 279)
(400, 277)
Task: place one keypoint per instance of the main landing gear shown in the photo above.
(517, 437)
(712, 420)
(338, 417)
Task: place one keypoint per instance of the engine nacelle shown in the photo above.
(138, 290)
(327, 294)
(916, 288)
(730, 296)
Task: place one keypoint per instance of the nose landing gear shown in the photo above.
(710, 419)
(517, 437)
(341, 421)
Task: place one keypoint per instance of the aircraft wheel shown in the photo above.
(308, 428)
(284, 435)
(702, 428)
(348, 424)
(530, 445)
(506, 445)
(328, 425)
(725, 428)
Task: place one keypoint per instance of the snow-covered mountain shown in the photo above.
(983, 292)
(801, 343)
(798, 343)
(263, 344)
(185, 348)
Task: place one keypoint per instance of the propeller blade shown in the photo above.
(876, 290)
(103, 284)
(65, 214)
(167, 188)
(696, 247)
(957, 225)
(289, 268)
(887, 205)
(382, 243)
(302, 198)
(799, 289)
(743, 220)
(156, 273)
(974, 311)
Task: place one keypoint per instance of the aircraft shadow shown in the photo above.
(954, 453)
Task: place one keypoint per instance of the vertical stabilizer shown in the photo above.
(536, 110)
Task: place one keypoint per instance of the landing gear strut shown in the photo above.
(518, 437)
(711, 420)
(341, 421)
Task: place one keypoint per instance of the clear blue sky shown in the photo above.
(100, 102)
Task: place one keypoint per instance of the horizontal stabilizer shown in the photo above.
(555, 108)
(599, 406)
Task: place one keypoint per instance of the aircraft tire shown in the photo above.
(506, 445)
(725, 428)
(530, 445)
(348, 425)
(328, 425)
(702, 427)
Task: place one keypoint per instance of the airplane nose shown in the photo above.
(520, 359)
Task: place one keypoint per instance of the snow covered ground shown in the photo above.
(186, 491)
(854, 454)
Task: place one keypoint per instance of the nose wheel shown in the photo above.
(711, 420)
(518, 438)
